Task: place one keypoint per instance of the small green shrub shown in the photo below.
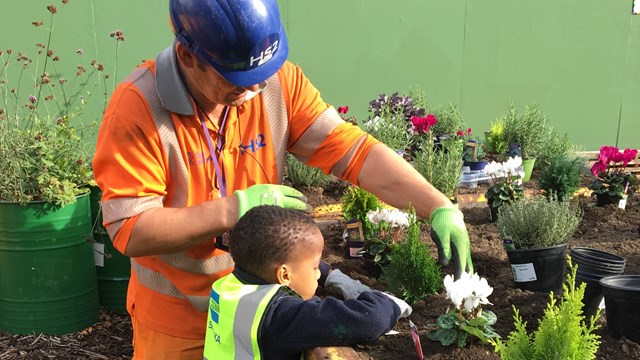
(449, 120)
(356, 202)
(561, 176)
(496, 141)
(554, 144)
(562, 332)
(441, 167)
(300, 174)
(538, 222)
(412, 272)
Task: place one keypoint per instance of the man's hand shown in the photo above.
(451, 238)
(271, 194)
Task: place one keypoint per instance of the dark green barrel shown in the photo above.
(113, 277)
(47, 272)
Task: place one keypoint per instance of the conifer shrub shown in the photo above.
(356, 203)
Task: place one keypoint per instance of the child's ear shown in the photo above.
(283, 274)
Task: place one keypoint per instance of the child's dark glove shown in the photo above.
(344, 285)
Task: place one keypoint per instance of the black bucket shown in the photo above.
(592, 293)
(622, 301)
(539, 270)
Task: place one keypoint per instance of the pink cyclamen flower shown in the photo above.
(628, 155)
(421, 124)
(460, 133)
(469, 131)
(598, 168)
(606, 154)
(343, 109)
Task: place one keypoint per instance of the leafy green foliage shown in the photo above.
(412, 272)
(389, 127)
(356, 202)
(554, 144)
(442, 167)
(538, 222)
(504, 193)
(527, 129)
(561, 176)
(562, 332)
(614, 185)
(496, 141)
(449, 120)
(454, 328)
(299, 173)
(44, 157)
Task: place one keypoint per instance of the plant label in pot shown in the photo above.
(354, 239)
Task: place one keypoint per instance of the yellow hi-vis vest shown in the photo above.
(235, 312)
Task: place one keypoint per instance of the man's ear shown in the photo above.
(283, 274)
(186, 58)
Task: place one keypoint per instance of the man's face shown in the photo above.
(216, 88)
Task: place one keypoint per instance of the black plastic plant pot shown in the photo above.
(597, 255)
(622, 301)
(592, 293)
(598, 269)
(493, 213)
(539, 270)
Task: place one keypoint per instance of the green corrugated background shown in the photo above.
(578, 59)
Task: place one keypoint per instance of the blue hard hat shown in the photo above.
(244, 40)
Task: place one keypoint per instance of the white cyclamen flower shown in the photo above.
(494, 169)
(480, 291)
(512, 164)
(469, 291)
(374, 216)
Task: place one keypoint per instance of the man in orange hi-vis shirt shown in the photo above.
(192, 140)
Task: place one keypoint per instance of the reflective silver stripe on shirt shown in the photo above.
(309, 142)
(278, 121)
(244, 318)
(341, 166)
(123, 208)
(157, 282)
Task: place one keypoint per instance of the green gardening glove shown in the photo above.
(271, 194)
(450, 235)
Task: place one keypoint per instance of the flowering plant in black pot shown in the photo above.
(613, 183)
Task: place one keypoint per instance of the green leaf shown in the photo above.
(447, 321)
(462, 339)
(474, 331)
(490, 334)
(448, 336)
(435, 335)
(489, 316)
(480, 321)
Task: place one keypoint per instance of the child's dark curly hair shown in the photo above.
(266, 236)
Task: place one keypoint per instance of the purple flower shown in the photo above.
(32, 99)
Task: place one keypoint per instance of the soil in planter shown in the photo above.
(607, 228)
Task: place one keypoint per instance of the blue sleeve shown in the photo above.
(292, 325)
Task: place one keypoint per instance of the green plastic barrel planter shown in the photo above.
(113, 277)
(47, 272)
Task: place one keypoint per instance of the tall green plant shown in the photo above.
(527, 129)
(356, 203)
(442, 167)
(562, 332)
(389, 127)
(299, 173)
(554, 144)
(412, 272)
(538, 222)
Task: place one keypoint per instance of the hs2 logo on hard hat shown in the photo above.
(264, 56)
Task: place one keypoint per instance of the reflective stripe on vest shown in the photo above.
(235, 313)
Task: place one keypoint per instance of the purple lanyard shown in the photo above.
(221, 181)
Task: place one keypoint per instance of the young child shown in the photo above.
(266, 307)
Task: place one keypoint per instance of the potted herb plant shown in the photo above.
(528, 130)
(539, 228)
(495, 138)
(505, 187)
(613, 184)
(47, 270)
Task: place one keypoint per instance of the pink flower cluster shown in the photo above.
(422, 124)
(611, 155)
(462, 133)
